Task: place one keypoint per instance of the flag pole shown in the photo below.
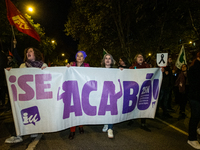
(13, 32)
(13, 37)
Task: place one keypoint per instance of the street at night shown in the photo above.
(165, 134)
(99, 75)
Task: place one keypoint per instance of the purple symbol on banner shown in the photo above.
(70, 89)
(30, 115)
(145, 93)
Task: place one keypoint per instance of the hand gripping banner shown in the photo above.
(57, 98)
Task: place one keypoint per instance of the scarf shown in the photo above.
(37, 64)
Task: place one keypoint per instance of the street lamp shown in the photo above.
(52, 41)
(190, 42)
(30, 9)
(149, 54)
(63, 54)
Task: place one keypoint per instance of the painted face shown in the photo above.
(30, 54)
(121, 62)
(108, 60)
(80, 58)
(184, 68)
(140, 59)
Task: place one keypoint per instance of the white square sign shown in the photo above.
(161, 59)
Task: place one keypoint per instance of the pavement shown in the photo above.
(166, 134)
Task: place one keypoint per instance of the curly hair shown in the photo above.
(37, 53)
(103, 60)
(135, 58)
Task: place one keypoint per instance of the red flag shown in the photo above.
(16, 19)
(10, 53)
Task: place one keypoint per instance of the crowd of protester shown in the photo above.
(179, 86)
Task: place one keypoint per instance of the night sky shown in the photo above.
(52, 15)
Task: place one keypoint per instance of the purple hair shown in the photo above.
(84, 54)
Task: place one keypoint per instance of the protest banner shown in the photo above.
(57, 98)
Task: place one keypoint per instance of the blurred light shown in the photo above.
(149, 54)
(63, 54)
(30, 9)
(53, 41)
(66, 60)
(194, 44)
(190, 42)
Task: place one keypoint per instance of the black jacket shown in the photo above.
(194, 81)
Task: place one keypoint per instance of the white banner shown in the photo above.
(57, 98)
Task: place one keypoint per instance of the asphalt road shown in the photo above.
(166, 134)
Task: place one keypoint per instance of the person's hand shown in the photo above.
(8, 69)
(68, 65)
(162, 69)
(43, 67)
(181, 84)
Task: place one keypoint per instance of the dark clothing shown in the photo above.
(194, 97)
(138, 66)
(194, 120)
(12, 64)
(194, 81)
(167, 82)
(166, 87)
(182, 78)
(120, 66)
(3, 60)
(163, 100)
(182, 85)
(16, 56)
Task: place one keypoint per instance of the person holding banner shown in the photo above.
(32, 58)
(140, 64)
(108, 62)
(194, 99)
(80, 57)
(123, 63)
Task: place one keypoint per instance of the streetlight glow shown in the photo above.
(149, 54)
(53, 41)
(63, 54)
(190, 42)
(30, 9)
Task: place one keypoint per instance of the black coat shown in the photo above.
(194, 81)
(3, 62)
(167, 81)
